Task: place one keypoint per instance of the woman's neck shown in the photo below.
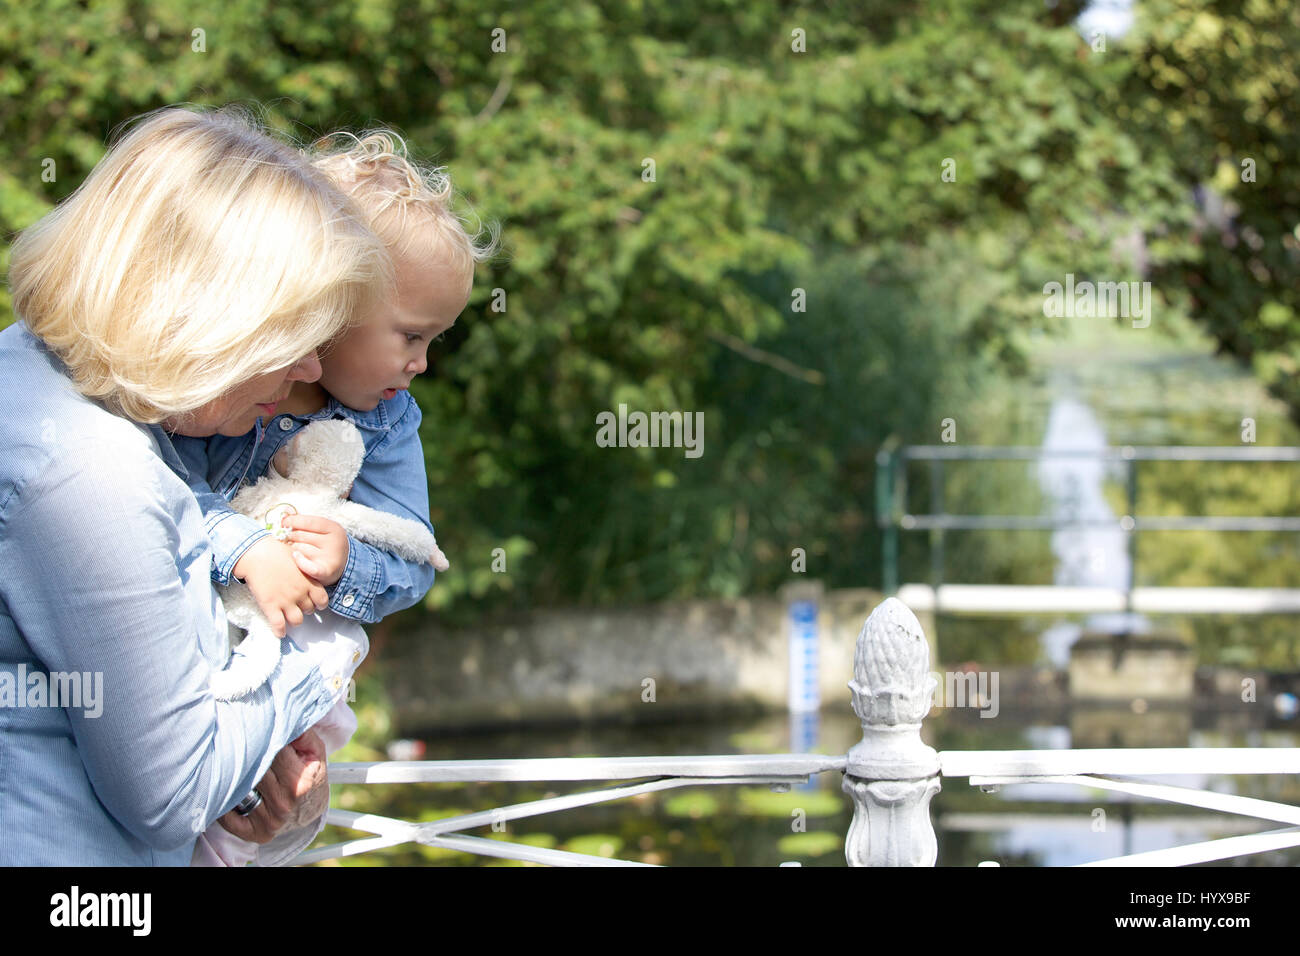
(306, 398)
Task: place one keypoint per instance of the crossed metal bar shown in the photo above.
(777, 770)
(783, 770)
(1037, 766)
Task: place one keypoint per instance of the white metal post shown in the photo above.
(891, 775)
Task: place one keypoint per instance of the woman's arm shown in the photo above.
(112, 543)
(231, 533)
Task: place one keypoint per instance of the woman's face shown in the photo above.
(237, 411)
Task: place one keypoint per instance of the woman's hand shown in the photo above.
(294, 792)
(320, 546)
(282, 591)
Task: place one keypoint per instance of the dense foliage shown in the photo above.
(1215, 90)
(852, 213)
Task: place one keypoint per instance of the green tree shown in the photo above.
(665, 178)
(1214, 86)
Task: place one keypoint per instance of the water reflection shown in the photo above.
(1086, 555)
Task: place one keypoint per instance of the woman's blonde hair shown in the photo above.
(197, 254)
(407, 204)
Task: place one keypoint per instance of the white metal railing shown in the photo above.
(1057, 599)
(891, 776)
(777, 770)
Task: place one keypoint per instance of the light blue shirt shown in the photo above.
(105, 580)
(374, 583)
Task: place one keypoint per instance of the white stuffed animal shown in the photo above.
(321, 463)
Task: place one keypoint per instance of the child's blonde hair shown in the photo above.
(197, 254)
(406, 204)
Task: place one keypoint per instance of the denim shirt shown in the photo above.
(374, 583)
(112, 749)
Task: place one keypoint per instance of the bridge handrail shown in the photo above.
(892, 515)
(1110, 453)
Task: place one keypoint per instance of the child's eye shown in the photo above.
(412, 337)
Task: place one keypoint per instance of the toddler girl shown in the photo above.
(365, 374)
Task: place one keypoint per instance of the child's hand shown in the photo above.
(281, 590)
(320, 546)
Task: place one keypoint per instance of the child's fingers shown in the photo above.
(314, 523)
(310, 551)
(320, 596)
(275, 618)
(307, 566)
(298, 535)
(316, 539)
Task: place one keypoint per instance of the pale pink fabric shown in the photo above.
(217, 846)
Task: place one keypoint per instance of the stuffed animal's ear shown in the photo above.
(280, 461)
(290, 453)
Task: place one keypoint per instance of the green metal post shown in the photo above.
(1132, 535)
(886, 462)
(936, 534)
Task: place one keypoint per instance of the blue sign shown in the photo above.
(805, 684)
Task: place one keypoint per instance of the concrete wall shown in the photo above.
(1154, 667)
(705, 657)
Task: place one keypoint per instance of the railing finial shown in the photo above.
(891, 775)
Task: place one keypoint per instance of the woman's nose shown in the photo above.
(306, 369)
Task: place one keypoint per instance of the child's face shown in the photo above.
(373, 361)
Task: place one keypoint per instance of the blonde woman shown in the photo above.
(181, 290)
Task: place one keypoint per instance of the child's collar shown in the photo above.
(381, 416)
